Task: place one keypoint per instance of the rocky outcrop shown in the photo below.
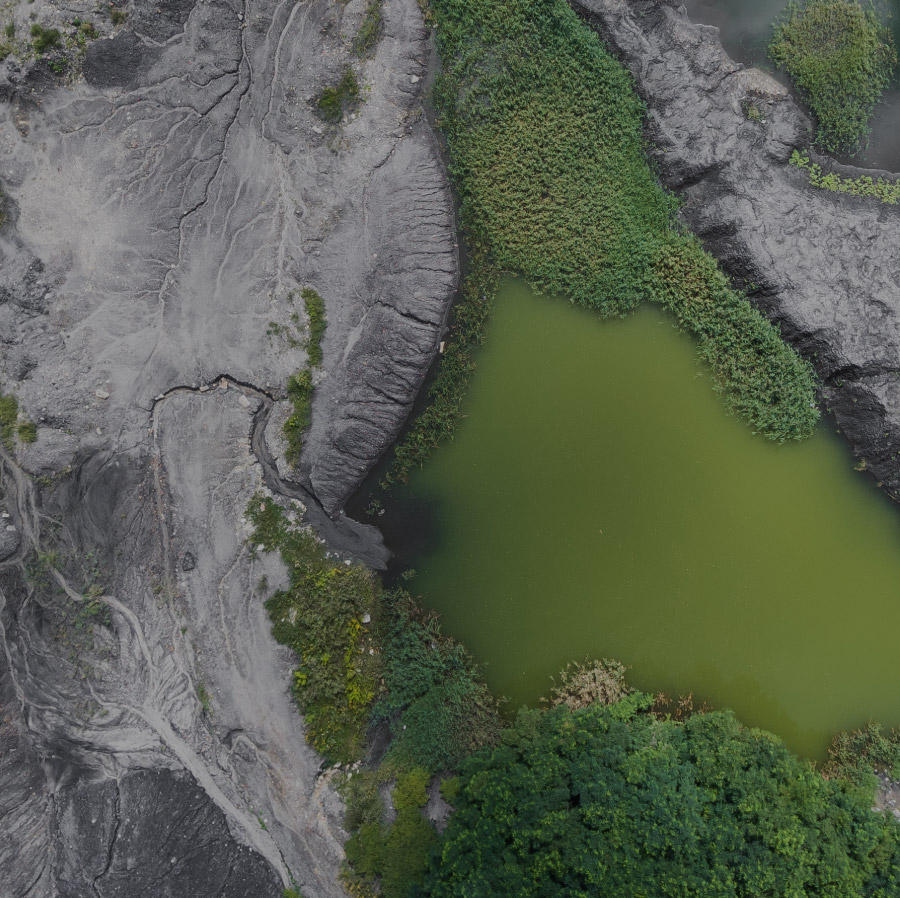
(826, 267)
(162, 215)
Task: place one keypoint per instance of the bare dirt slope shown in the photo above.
(163, 211)
(825, 266)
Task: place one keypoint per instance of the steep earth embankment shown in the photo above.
(162, 215)
(825, 266)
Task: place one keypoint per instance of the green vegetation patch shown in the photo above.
(320, 616)
(315, 312)
(614, 802)
(44, 39)
(841, 58)
(339, 99)
(545, 136)
(299, 391)
(884, 190)
(856, 755)
(370, 29)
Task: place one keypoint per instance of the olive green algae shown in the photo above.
(598, 501)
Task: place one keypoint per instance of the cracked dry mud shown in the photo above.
(163, 212)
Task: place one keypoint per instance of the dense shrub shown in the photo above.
(841, 58)
(440, 709)
(855, 755)
(609, 801)
(546, 145)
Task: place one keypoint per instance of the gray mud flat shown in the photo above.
(825, 266)
(163, 212)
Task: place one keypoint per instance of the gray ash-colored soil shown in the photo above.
(163, 211)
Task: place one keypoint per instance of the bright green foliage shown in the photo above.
(441, 710)
(608, 801)
(369, 30)
(299, 391)
(315, 312)
(842, 58)
(886, 191)
(43, 39)
(545, 137)
(320, 617)
(854, 756)
(335, 101)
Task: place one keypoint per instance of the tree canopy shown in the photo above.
(611, 801)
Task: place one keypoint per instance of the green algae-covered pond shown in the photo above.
(598, 501)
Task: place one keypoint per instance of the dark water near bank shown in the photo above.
(746, 29)
(598, 501)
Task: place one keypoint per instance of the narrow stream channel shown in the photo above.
(598, 501)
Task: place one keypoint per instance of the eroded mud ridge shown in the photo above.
(824, 266)
(162, 215)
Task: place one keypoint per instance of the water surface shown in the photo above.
(598, 501)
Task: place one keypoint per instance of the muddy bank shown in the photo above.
(824, 266)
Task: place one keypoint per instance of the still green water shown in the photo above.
(598, 501)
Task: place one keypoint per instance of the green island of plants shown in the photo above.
(865, 185)
(841, 58)
(544, 130)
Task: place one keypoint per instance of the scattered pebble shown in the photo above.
(101, 394)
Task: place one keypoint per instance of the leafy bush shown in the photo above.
(315, 312)
(44, 39)
(397, 854)
(441, 711)
(545, 136)
(335, 101)
(609, 801)
(856, 755)
(841, 58)
(299, 391)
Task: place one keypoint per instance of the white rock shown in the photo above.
(101, 394)
(414, 79)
